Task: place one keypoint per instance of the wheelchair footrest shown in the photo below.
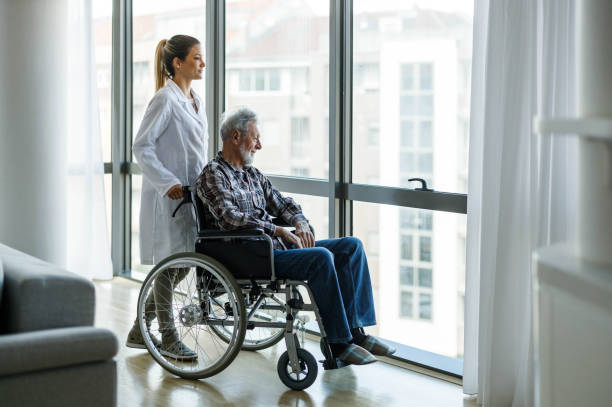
(332, 364)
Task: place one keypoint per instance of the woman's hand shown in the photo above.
(176, 192)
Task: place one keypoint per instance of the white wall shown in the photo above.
(33, 127)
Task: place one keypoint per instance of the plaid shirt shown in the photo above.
(241, 198)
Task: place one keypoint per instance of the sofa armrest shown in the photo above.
(38, 295)
(52, 348)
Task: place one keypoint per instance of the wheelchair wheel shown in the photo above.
(184, 287)
(305, 377)
(258, 338)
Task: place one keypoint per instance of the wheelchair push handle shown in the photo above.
(187, 189)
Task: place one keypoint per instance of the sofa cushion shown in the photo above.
(52, 348)
(39, 295)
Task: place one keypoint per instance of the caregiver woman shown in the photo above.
(171, 149)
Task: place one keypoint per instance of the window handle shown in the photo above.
(423, 184)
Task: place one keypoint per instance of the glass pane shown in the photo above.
(407, 133)
(103, 40)
(152, 22)
(286, 50)
(425, 134)
(136, 191)
(406, 275)
(425, 278)
(425, 248)
(108, 196)
(406, 253)
(425, 77)
(406, 304)
(425, 306)
(259, 80)
(421, 98)
(315, 208)
(274, 79)
(434, 276)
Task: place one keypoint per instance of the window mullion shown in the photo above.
(340, 83)
(215, 73)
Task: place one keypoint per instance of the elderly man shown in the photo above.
(239, 196)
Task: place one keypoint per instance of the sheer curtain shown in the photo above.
(88, 246)
(523, 65)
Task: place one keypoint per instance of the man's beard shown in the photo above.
(247, 156)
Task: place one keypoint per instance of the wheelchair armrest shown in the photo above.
(280, 222)
(219, 234)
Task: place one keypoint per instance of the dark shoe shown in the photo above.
(177, 350)
(135, 339)
(376, 347)
(356, 355)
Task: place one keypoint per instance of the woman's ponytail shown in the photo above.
(176, 47)
(160, 69)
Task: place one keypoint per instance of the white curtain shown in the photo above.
(88, 244)
(519, 186)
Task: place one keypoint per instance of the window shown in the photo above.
(245, 80)
(406, 242)
(284, 51)
(425, 248)
(373, 135)
(257, 80)
(406, 275)
(406, 304)
(425, 278)
(425, 306)
(274, 79)
(300, 171)
(260, 79)
(151, 22)
(300, 80)
(300, 134)
(425, 134)
(366, 79)
(102, 30)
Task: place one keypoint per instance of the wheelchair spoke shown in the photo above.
(182, 295)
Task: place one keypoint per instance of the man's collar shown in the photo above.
(229, 164)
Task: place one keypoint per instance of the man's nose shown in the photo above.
(258, 145)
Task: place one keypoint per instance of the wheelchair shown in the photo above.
(226, 298)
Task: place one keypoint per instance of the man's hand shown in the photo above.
(176, 192)
(288, 238)
(302, 230)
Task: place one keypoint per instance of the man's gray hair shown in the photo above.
(236, 120)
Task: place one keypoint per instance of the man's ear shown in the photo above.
(235, 136)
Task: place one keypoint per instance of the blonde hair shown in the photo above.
(176, 47)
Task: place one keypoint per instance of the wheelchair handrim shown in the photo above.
(194, 260)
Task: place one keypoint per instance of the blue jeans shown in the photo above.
(337, 272)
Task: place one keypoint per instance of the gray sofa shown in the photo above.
(50, 353)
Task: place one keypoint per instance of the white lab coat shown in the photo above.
(171, 148)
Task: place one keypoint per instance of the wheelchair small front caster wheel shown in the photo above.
(302, 379)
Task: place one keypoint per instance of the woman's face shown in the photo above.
(193, 65)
